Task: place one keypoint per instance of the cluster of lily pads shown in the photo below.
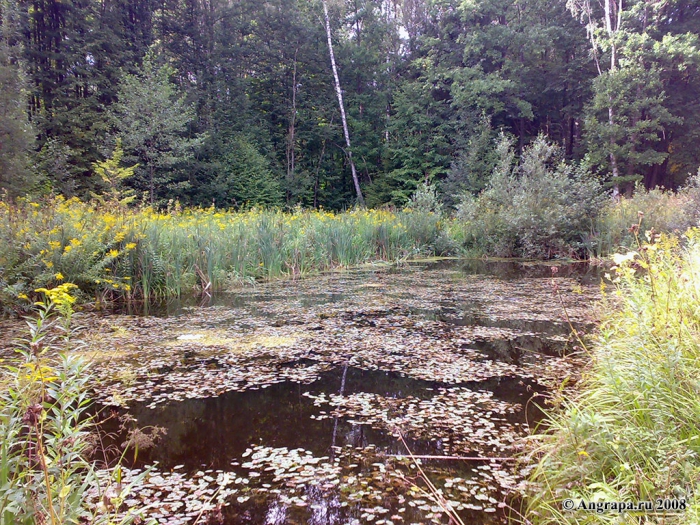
(463, 335)
(172, 498)
(461, 420)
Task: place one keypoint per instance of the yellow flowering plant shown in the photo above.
(46, 471)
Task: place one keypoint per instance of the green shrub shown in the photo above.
(542, 208)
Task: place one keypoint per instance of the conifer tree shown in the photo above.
(151, 119)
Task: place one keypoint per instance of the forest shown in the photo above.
(233, 104)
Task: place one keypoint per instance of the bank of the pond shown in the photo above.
(113, 251)
(632, 433)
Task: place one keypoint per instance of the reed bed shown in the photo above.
(112, 250)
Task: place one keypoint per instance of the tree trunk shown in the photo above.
(151, 184)
(611, 30)
(291, 147)
(338, 91)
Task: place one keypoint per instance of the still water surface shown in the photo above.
(285, 402)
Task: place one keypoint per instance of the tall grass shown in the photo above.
(664, 211)
(115, 250)
(633, 431)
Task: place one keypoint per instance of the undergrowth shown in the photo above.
(632, 433)
(664, 211)
(46, 436)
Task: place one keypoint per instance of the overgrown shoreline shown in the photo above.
(631, 432)
(114, 252)
(117, 252)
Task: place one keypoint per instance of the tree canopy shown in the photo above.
(237, 102)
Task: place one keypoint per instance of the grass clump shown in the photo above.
(664, 211)
(632, 433)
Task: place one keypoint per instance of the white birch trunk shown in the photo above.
(338, 91)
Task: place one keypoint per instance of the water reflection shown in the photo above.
(355, 334)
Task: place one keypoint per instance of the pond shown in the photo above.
(302, 401)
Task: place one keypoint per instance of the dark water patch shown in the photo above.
(518, 269)
(212, 432)
(516, 350)
(452, 354)
(518, 391)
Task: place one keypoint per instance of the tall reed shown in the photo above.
(128, 252)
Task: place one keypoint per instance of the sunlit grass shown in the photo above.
(664, 211)
(633, 431)
(115, 251)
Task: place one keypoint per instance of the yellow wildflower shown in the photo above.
(131, 246)
(113, 253)
(59, 276)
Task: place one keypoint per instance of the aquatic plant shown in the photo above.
(117, 252)
(632, 432)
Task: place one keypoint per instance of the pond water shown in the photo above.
(300, 401)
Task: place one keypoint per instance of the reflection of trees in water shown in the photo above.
(335, 421)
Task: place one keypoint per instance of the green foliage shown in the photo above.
(16, 133)
(425, 200)
(471, 170)
(151, 119)
(662, 211)
(641, 118)
(542, 208)
(113, 177)
(420, 79)
(631, 431)
(46, 473)
(246, 178)
(418, 150)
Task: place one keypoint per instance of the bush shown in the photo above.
(541, 208)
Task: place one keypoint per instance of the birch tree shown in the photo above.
(629, 118)
(611, 21)
(341, 105)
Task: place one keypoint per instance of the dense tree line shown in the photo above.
(233, 102)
